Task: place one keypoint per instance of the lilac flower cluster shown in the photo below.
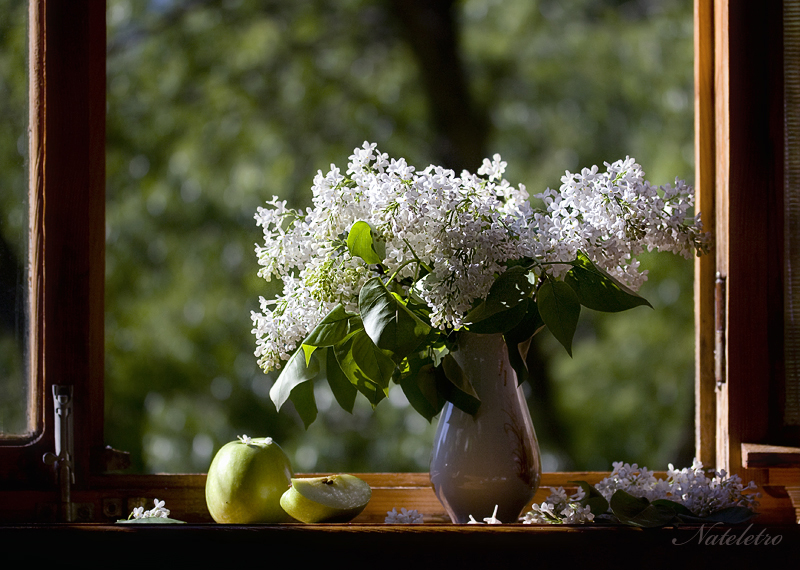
(702, 492)
(405, 516)
(446, 237)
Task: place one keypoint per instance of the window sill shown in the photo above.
(112, 497)
(402, 545)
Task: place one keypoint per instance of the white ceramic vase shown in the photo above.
(491, 458)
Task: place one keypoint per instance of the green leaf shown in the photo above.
(366, 366)
(360, 242)
(560, 309)
(505, 304)
(500, 322)
(518, 340)
(388, 322)
(296, 372)
(729, 515)
(456, 388)
(420, 387)
(638, 511)
(597, 290)
(677, 508)
(308, 350)
(592, 498)
(344, 392)
(302, 397)
(333, 328)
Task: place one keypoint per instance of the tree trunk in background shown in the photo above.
(460, 124)
(462, 129)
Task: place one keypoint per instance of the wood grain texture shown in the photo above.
(748, 171)
(770, 456)
(704, 266)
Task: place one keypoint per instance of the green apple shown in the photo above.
(332, 498)
(246, 480)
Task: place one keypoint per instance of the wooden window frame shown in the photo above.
(738, 130)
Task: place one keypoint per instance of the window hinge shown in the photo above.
(720, 324)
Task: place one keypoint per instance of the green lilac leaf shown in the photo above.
(366, 366)
(560, 309)
(343, 390)
(638, 511)
(296, 372)
(518, 340)
(505, 304)
(333, 327)
(456, 388)
(597, 290)
(517, 354)
(308, 350)
(302, 396)
(360, 242)
(732, 515)
(678, 508)
(592, 498)
(388, 322)
(497, 322)
(420, 388)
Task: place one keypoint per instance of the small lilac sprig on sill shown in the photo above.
(686, 494)
(158, 514)
(487, 520)
(158, 511)
(405, 516)
(559, 508)
(701, 491)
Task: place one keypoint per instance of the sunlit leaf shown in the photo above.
(333, 327)
(360, 242)
(366, 366)
(295, 372)
(388, 322)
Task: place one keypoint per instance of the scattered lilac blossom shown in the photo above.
(405, 516)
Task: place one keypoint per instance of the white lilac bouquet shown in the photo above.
(392, 263)
(634, 495)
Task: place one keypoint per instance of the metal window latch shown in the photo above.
(61, 460)
(720, 324)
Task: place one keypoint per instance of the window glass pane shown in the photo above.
(15, 393)
(216, 107)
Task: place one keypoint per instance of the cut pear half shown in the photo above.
(328, 499)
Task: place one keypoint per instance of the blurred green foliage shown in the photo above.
(14, 392)
(214, 107)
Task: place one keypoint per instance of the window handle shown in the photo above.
(62, 459)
